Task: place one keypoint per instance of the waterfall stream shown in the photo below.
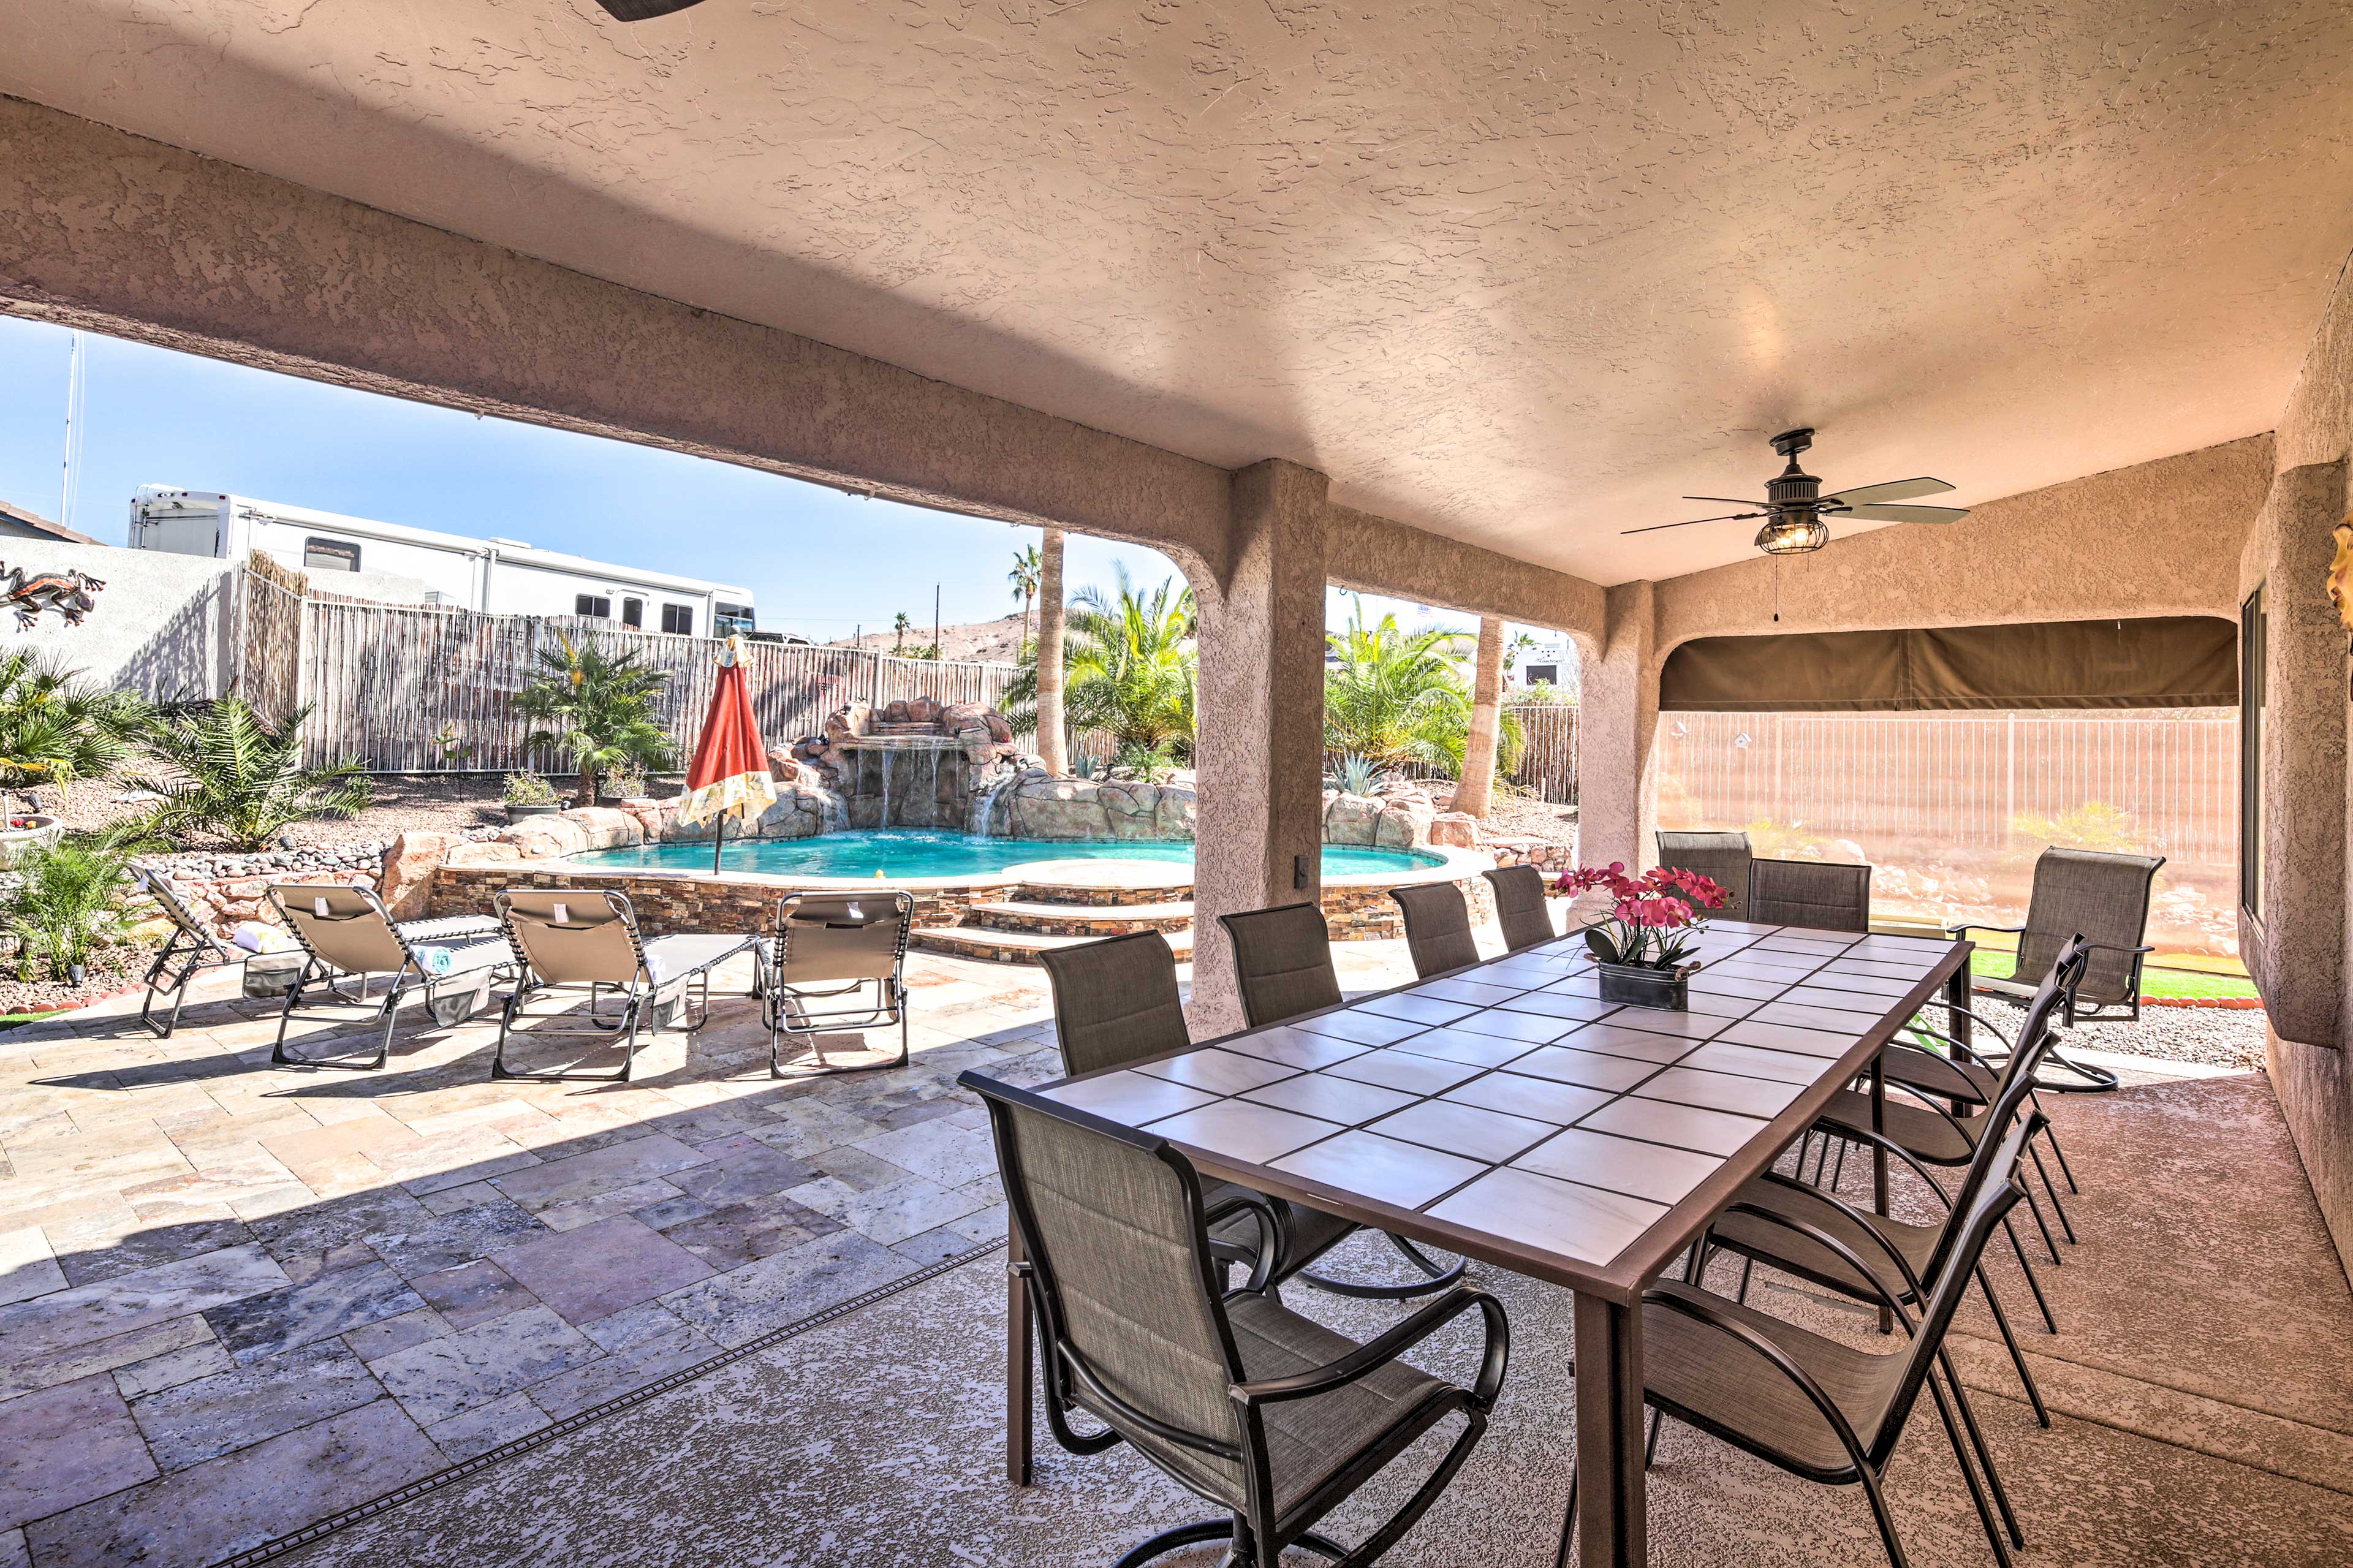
(985, 805)
(887, 754)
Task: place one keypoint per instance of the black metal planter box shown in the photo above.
(1639, 987)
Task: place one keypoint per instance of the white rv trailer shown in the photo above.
(502, 576)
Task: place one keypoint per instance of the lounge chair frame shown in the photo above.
(191, 951)
(297, 905)
(888, 1007)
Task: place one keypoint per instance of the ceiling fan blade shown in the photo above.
(1731, 517)
(1908, 513)
(1893, 489)
(1728, 501)
(644, 10)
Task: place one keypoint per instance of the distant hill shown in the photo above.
(992, 642)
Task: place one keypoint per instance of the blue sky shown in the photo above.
(818, 562)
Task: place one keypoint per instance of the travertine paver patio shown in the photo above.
(237, 1298)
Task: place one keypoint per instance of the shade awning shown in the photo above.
(2155, 661)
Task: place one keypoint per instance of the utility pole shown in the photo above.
(936, 620)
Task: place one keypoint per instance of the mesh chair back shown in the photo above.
(1723, 857)
(1815, 893)
(2102, 896)
(2011, 1090)
(574, 936)
(1973, 1225)
(1115, 1001)
(168, 896)
(1437, 927)
(1111, 1221)
(1520, 906)
(1283, 959)
(346, 927)
(825, 937)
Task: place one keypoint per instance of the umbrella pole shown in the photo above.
(718, 837)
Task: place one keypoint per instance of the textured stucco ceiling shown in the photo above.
(1514, 272)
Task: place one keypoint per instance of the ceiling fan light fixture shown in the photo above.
(1797, 535)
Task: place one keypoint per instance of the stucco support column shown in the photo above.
(1259, 753)
(1617, 720)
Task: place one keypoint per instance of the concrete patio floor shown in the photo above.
(236, 1299)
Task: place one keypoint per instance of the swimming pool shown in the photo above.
(915, 852)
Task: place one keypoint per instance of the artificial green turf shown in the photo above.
(2166, 984)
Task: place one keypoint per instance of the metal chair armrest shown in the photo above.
(1274, 1238)
(1965, 926)
(1376, 1353)
(1880, 1140)
(2118, 947)
(1903, 1267)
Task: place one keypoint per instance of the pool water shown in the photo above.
(915, 852)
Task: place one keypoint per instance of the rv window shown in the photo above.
(595, 605)
(731, 618)
(330, 555)
(679, 618)
(1543, 674)
(633, 612)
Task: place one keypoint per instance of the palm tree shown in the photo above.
(1396, 696)
(1026, 564)
(900, 627)
(1512, 649)
(235, 775)
(1054, 740)
(55, 728)
(1475, 790)
(598, 708)
(1129, 665)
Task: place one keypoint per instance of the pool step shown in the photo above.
(1022, 946)
(1054, 919)
(1064, 895)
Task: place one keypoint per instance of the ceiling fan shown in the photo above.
(644, 10)
(1794, 507)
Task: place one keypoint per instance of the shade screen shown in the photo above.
(2159, 661)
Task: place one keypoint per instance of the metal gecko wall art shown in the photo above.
(28, 593)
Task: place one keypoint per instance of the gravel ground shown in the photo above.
(2214, 1037)
(1525, 816)
(402, 801)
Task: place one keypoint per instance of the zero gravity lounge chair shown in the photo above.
(346, 933)
(576, 937)
(192, 950)
(833, 946)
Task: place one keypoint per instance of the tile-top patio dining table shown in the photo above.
(1505, 1113)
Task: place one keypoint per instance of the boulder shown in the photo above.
(410, 860)
(1405, 824)
(602, 828)
(487, 852)
(922, 710)
(898, 712)
(647, 811)
(848, 721)
(1454, 830)
(1351, 819)
(547, 838)
(958, 717)
(1000, 729)
(783, 765)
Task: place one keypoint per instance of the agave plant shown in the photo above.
(66, 902)
(235, 775)
(1356, 774)
(597, 709)
(56, 727)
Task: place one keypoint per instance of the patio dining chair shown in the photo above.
(1823, 894)
(1910, 1259)
(346, 934)
(1283, 957)
(1270, 1418)
(1116, 1002)
(1721, 858)
(1437, 927)
(830, 946)
(191, 950)
(566, 939)
(1520, 907)
(1812, 1406)
(2104, 898)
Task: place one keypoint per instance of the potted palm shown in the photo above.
(597, 709)
(1645, 944)
(527, 795)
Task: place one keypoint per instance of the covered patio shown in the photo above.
(1438, 312)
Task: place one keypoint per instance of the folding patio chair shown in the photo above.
(1116, 1002)
(192, 950)
(570, 938)
(1723, 857)
(1437, 927)
(1270, 1417)
(1520, 907)
(346, 933)
(845, 942)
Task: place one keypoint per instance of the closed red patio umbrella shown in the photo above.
(729, 775)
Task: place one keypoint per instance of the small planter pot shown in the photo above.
(1638, 987)
(517, 812)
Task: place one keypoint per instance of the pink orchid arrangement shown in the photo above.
(1654, 916)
